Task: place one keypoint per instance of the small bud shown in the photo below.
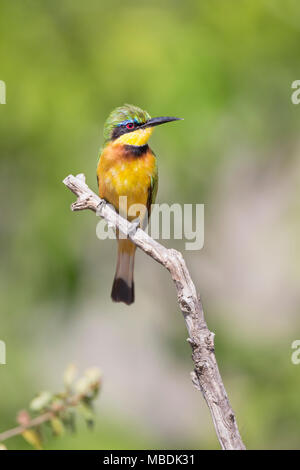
(41, 401)
(23, 418)
(82, 385)
(33, 438)
(93, 374)
(70, 375)
(57, 426)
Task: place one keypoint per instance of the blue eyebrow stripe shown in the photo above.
(123, 123)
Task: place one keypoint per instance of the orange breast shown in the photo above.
(121, 173)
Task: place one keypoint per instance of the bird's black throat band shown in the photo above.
(136, 150)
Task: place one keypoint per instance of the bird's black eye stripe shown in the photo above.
(123, 128)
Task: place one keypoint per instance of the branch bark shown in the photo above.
(206, 376)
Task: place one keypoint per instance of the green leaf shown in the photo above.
(87, 413)
(68, 419)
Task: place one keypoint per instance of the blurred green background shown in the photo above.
(225, 66)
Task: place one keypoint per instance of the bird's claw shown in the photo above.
(100, 206)
(134, 225)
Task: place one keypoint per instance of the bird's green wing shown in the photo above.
(152, 190)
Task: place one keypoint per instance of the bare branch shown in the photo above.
(206, 376)
(20, 429)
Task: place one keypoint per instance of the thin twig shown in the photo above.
(54, 411)
(206, 376)
(31, 424)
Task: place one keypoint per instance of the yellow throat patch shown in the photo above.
(138, 137)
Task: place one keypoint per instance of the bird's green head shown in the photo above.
(130, 125)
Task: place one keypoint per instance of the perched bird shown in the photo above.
(127, 167)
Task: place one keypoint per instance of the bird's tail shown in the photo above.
(123, 285)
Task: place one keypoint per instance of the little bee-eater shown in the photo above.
(127, 167)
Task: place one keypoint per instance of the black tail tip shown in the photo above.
(122, 292)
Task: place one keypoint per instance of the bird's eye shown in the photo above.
(130, 125)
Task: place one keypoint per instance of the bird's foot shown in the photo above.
(100, 206)
(135, 225)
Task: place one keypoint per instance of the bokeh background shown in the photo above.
(225, 66)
